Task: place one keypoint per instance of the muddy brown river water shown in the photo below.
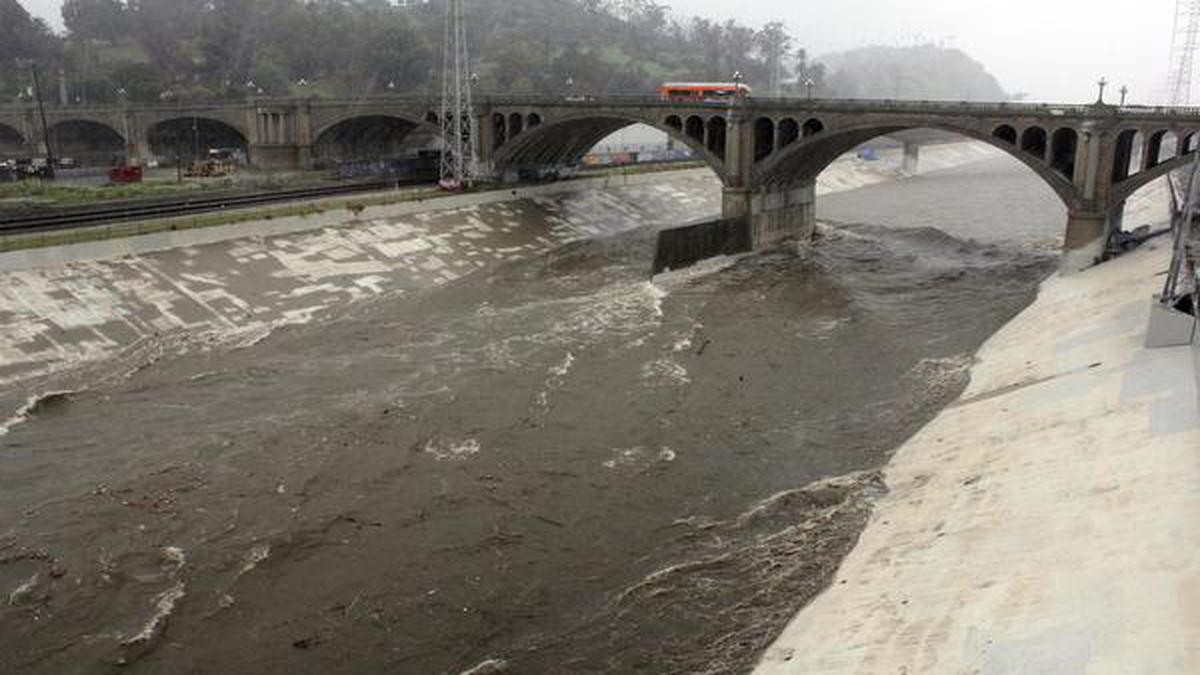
(554, 463)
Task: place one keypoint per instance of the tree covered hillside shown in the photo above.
(918, 72)
(150, 50)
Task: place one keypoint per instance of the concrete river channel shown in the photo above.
(481, 439)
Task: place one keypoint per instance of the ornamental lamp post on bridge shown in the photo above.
(1124, 92)
(808, 86)
(1102, 84)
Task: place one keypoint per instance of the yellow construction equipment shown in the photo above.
(218, 163)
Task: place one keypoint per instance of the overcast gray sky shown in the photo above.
(1052, 49)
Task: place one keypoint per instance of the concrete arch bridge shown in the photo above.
(766, 152)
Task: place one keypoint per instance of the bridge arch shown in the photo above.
(764, 137)
(717, 132)
(191, 137)
(1034, 141)
(1124, 188)
(88, 142)
(1006, 133)
(367, 137)
(564, 141)
(1063, 146)
(499, 130)
(788, 132)
(1154, 148)
(805, 160)
(1123, 155)
(12, 142)
(1187, 142)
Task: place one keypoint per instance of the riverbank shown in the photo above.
(1046, 521)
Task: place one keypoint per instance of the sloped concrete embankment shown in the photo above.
(1047, 521)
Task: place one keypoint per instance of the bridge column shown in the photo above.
(1088, 156)
(273, 138)
(302, 130)
(912, 158)
(1085, 240)
(774, 213)
(485, 141)
(137, 144)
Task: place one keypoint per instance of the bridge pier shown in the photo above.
(137, 152)
(912, 158)
(774, 213)
(277, 156)
(1085, 240)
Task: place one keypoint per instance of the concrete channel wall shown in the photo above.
(1046, 522)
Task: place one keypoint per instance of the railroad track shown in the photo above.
(103, 215)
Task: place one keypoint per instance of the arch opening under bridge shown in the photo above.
(12, 142)
(804, 161)
(565, 142)
(1142, 157)
(373, 138)
(190, 138)
(87, 142)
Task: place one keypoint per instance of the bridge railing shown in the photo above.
(581, 99)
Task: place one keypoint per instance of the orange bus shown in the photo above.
(706, 92)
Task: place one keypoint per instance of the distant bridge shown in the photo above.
(767, 152)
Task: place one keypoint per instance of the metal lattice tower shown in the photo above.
(1184, 43)
(459, 161)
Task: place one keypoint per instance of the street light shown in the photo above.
(808, 85)
(1124, 93)
(1102, 84)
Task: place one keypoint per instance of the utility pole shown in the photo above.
(37, 92)
(459, 161)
